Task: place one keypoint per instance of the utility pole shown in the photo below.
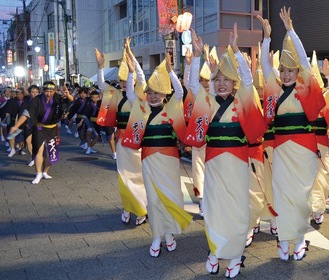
(67, 55)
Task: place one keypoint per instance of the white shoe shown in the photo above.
(114, 156)
(250, 237)
(12, 152)
(125, 217)
(140, 220)
(37, 179)
(31, 163)
(212, 264)
(22, 152)
(93, 151)
(84, 146)
(88, 151)
(318, 218)
(300, 248)
(68, 131)
(7, 144)
(155, 248)
(3, 138)
(76, 135)
(8, 150)
(233, 268)
(46, 176)
(170, 242)
(283, 250)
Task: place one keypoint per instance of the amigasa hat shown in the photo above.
(315, 67)
(289, 57)
(205, 70)
(160, 80)
(228, 66)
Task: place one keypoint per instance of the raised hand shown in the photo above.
(188, 56)
(212, 64)
(285, 16)
(206, 52)
(197, 43)
(266, 26)
(100, 58)
(234, 38)
(130, 63)
(127, 45)
(325, 68)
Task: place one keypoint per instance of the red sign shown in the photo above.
(167, 9)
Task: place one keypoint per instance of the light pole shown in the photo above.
(38, 49)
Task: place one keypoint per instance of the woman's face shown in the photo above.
(155, 99)
(288, 76)
(223, 85)
(205, 83)
(123, 85)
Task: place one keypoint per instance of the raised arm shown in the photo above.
(100, 59)
(195, 65)
(130, 81)
(178, 89)
(285, 16)
(243, 69)
(264, 57)
(187, 69)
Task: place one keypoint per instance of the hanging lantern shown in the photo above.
(183, 22)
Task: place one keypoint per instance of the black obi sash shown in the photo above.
(295, 123)
(269, 134)
(161, 135)
(225, 135)
(320, 126)
(122, 119)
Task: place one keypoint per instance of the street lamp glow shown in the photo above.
(37, 49)
(29, 42)
(19, 71)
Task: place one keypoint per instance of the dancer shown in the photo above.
(154, 125)
(292, 102)
(225, 117)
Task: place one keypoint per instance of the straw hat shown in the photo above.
(289, 57)
(205, 70)
(160, 80)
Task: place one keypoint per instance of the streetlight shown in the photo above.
(38, 49)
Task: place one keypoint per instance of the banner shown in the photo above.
(51, 43)
(167, 9)
(9, 57)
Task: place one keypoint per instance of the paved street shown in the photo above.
(69, 227)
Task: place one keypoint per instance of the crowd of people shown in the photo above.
(258, 144)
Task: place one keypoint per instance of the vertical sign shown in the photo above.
(171, 49)
(9, 57)
(51, 43)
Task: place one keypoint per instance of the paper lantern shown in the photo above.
(183, 22)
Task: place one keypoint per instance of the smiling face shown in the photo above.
(155, 99)
(223, 85)
(123, 85)
(205, 83)
(288, 76)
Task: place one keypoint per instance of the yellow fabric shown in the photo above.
(205, 70)
(276, 59)
(289, 57)
(129, 202)
(131, 186)
(258, 78)
(228, 65)
(160, 80)
(315, 67)
(46, 125)
(182, 218)
(123, 69)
